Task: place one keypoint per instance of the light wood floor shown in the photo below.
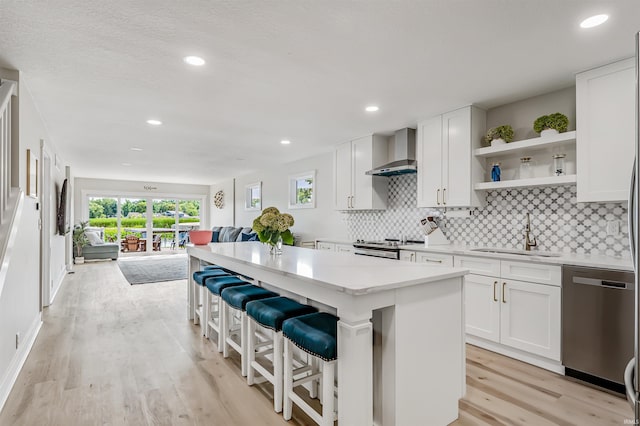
(114, 354)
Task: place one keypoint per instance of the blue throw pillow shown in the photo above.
(214, 236)
(249, 237)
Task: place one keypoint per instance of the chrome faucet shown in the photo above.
(527, 236)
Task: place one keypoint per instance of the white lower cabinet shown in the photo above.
(514, 314)
(482, 310)
(530, 318)
(424, 257)
(340, 248)
(344, 248)
(320, 245)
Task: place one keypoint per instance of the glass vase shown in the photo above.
(276, 249)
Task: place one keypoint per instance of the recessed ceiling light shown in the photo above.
(126, 164)
(154, 122)
(285, 142)
(135, 149)
(371, 108)
(196, 61)
(594, 21)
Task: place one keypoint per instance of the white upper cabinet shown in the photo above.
(353, 189)
(447, 168)
(605, 123)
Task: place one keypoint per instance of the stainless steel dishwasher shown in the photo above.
(597, 324)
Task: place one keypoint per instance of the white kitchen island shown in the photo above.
(401, 358)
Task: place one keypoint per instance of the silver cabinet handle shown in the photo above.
(426, 259)
(444, 193)
(495, 285)
(438, 196)
(504, 300)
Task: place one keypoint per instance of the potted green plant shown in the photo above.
(80, 240)
(551, 124)
(499, 135)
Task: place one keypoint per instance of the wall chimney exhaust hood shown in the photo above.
(404, 156)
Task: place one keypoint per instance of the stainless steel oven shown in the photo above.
(386, 249)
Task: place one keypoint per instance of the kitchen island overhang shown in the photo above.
(414, 372)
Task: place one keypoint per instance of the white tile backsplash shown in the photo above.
(558, 222)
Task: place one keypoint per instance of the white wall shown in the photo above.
(20, 299)
(320, 222)
(110, 187)
(226, 215)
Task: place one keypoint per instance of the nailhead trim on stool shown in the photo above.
(215, 285)
(316, 334)
(270, 314)
(236, 298)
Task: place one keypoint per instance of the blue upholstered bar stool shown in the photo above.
(213, 303)
(234, 302)
(270, 314)
(316, 334)
(199, 314)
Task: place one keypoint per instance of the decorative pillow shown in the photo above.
(215, 236)
(94, 238)
(249, 237)
(246, 230)
(229, 234)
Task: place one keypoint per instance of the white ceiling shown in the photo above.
(289, 69)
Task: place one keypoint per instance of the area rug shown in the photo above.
(153, 269)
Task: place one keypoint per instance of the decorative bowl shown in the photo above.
(200, 237)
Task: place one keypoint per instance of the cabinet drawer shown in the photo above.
(532, 272)
(435, 259)
(344, 248)
(479, 265)
(325, 246)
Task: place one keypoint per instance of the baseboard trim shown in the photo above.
(56, 286)
(19, 358)
(538, 361)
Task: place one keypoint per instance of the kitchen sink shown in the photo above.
(518, 252)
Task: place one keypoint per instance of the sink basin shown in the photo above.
(518, 252)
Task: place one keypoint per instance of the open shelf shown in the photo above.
(521, 183)
(527, 145)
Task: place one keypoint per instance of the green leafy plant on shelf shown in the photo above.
(504, 132)
(272, 224)
(556, 121)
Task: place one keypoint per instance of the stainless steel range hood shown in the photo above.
(404, 156)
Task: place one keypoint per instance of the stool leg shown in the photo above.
(204, 320)
(221, 324)
(277, 371)
(243, 343)
(224, 330)
(196, 302)
(328, 377)
(288, 380)
(251, 350)
(313, 392)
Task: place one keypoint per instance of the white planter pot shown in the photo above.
(497, 142)
(548, 132)
(79, 260)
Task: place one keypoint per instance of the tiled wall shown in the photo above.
(558, 222)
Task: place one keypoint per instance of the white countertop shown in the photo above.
(593, 261)
(350, 274)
